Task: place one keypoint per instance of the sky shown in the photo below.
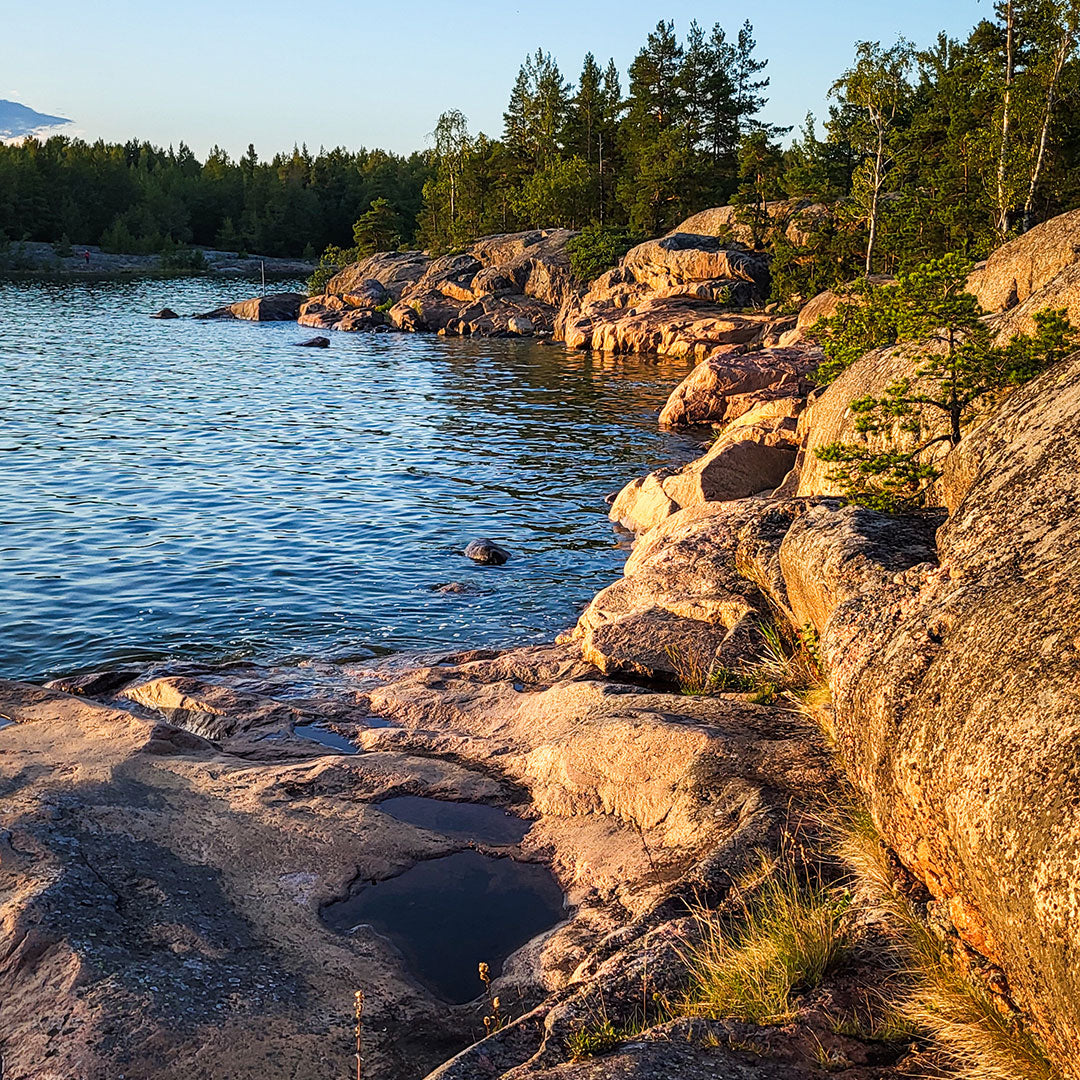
(359, 74)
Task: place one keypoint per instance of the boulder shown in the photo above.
(1023, 266)
(743, 462)
(823, 306)
(536, 261)
(674, 296)
(685, 257)
(682, 602)
(955, 696)
(504, 285)
(726, 385)
(165, 313)
(361, 319)
(829, 418)
(1062, 291)
(835, 553)
(797, 218)
(677, 326)
(314, 343)
(393, 270)
(278, 307)
(487, 552)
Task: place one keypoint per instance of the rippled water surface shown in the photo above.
(209, 491)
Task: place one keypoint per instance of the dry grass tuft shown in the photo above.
(786, 938)
(980, 1039)
(700, 677)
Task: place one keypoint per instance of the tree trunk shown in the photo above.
(1002, 207)
(1064, 48)
(878, 180)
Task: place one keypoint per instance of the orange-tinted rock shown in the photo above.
(727, 385)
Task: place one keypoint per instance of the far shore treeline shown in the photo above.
(953, 147)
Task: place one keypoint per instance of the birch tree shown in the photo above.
(877, 87)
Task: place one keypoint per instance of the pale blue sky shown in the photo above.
(354, 74)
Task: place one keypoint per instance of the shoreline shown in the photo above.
(41, 262)
(774, 666)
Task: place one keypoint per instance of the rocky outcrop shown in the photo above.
(278, 307)
(955, 688)
(669, 327)
(160, 894)
(754, 399)
(395, 271)
(508, 285)
(797, 219)
(1062, 291)
(1024, 266)
(746, 459)
(823, 306)
(829, 417)
(730, 383)
(683, 602)
(677, 296)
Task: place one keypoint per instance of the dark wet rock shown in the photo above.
(487, 552)
(314, 343)
(278, 307)
(165, 313)
(451, 588)
(93, 683)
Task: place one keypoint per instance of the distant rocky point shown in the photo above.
(17, 121)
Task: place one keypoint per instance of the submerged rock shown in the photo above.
(165, 313)
(314, 343)
(487, 552)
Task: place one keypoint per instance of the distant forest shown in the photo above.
(954, 147)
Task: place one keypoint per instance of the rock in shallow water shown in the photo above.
(487, 552)
(314, 343)
(165, 313)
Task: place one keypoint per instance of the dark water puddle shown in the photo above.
(325, 737)
(447, 915)
(459, 820)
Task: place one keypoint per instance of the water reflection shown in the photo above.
(209, 491)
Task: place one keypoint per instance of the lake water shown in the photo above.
(209, 491)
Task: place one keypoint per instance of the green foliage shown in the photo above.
(957, 366)
(130, 198)
(181, 258)
(559, 194)
(863, 320)
(592, 1039)
(378, 229)
(62, 247)
(332, 261)
(952, 148)
(598, 248)
(698, 676)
